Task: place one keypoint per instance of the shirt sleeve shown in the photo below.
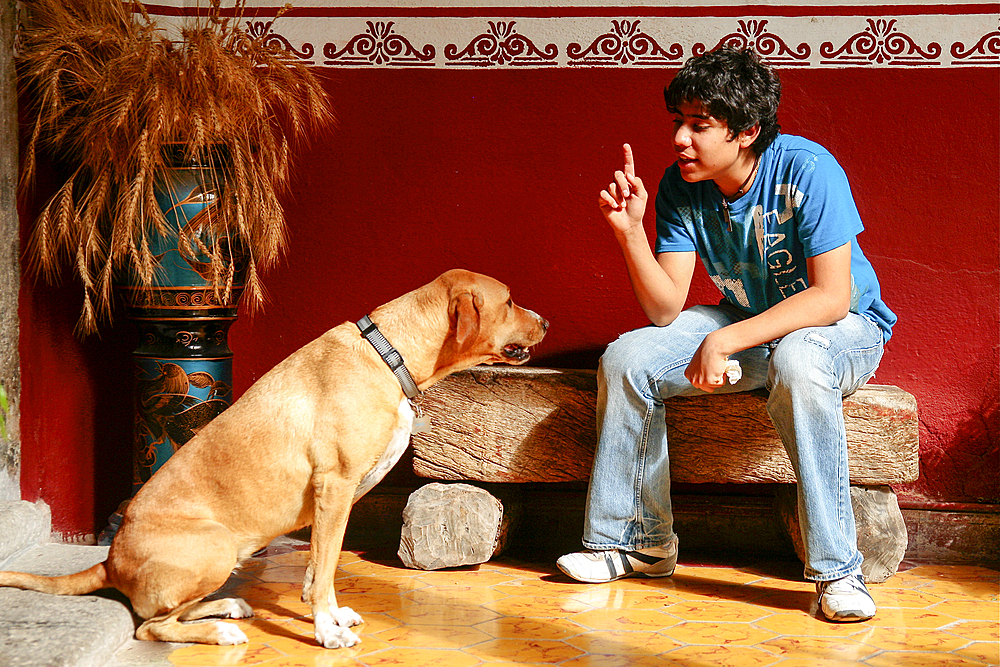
(827, 215)
(674, 220)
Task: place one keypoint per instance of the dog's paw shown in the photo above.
(346, 617)
(330, 634)
(229, 634)
(237, 608)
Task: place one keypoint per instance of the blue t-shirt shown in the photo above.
(800, 205)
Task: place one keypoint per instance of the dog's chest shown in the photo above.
(397, 445)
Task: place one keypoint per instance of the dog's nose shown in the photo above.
(542, 322)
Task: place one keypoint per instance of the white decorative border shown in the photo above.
(495, 42)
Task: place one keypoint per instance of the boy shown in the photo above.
(772, 219)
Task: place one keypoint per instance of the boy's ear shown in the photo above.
(747, 137)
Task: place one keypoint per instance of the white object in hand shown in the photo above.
(733, 371)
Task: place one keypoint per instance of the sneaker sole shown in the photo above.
(850, 616)
(657, 575)
(609, 580)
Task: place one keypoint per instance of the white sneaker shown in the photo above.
(845, 600)
(596, 567)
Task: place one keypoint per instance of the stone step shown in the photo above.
(37, 629)
(22, 526)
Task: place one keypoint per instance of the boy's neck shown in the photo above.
(739, 179)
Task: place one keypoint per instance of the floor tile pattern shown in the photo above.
(508, 612)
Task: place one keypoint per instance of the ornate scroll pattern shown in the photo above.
(422, 36)
(985, 52)
(501, 45)
(626, 44)
(182, 298)
(880, 43)
(275, 41)
(379, 46)
(770, 47)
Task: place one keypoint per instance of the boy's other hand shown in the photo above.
(707, 370)
(624, 201)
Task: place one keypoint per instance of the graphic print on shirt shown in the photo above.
(773, 240)
(733, 287)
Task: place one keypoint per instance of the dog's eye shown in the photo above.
(510, 303)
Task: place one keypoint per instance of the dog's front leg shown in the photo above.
(332, 624)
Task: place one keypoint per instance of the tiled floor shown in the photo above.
(507, 612)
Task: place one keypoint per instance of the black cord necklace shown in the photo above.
(739, 193)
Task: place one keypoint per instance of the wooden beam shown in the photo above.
(510, 424)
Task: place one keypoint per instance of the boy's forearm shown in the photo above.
(826, 301)
(658, 295)
(810, 308)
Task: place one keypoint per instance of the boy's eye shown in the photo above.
(696, 127)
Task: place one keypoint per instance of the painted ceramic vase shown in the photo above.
(183, 364)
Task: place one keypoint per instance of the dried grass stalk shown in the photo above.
(109, 90)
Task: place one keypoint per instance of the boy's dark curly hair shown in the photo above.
(733, 85)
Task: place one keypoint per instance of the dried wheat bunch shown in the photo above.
(109, 89)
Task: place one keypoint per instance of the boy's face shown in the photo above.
(706, 149)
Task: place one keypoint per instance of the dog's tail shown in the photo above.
(80, 583)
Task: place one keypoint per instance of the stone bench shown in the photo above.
(515, 424)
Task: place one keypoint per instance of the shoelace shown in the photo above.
(846, 586)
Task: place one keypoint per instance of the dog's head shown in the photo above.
(488, 326)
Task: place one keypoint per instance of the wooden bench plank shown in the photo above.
(510, 424)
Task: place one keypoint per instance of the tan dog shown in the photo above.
(305, 441)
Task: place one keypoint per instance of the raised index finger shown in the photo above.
(629, 163)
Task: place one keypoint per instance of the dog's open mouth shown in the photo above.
(516, 352)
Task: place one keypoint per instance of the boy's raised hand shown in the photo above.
(624, 202)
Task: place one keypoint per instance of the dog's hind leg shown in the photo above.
(167, 570)
(223, 608)
(169, 628)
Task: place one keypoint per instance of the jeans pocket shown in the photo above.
(869, 357)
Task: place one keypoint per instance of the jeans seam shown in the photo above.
(637, 519)
(845, 489)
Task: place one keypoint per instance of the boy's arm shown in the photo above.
(826, 301)
(660, 282)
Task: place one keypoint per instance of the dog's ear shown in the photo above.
(466, 308)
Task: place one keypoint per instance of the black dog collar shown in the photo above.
(389, 354)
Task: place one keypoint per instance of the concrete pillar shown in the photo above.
(10, 273)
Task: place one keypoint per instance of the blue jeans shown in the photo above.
(808, 372)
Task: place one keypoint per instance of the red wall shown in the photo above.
(499, 172)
